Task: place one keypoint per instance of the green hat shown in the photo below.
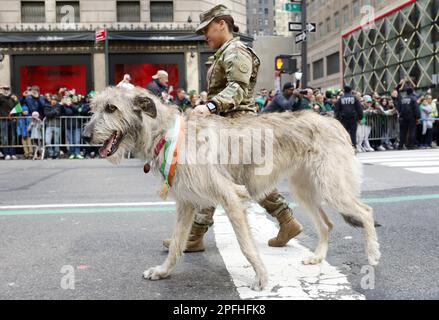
(206, 17)
(329, 93)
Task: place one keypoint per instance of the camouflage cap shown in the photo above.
(206, 17)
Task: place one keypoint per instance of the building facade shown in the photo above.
(268, 48)
(372, 44)
(260, 17)
(52, 43)
(401, 43)
(282, 18)
(324, 46)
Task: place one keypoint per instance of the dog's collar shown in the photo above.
(157, 149)
(171, 144)
(159, 146)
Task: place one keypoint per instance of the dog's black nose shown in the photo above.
(86, 134)
(86, 138)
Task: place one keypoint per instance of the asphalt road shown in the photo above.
(46, 237)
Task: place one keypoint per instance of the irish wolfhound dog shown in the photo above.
(313, 152)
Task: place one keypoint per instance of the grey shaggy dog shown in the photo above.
(312, 152)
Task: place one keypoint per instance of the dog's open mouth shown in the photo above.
(110, 145)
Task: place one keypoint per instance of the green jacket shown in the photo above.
(305, 104)
(327, 107)
(232, 77)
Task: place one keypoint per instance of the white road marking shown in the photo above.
(289, 278)
(402, 155)
(400, 160)
(431, 170)
(88, 205)
(413, 164)
(399, 154)
(419, 161)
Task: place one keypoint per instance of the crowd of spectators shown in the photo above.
(383, 115)
(414, 117)
(21, 123)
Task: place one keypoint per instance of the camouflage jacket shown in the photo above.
(232, 77)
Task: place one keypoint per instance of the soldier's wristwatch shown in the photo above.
(211, 106)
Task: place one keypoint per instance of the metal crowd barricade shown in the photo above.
(64, 132)
(14, 133)
(8, 132)
(383, 127)
(55, 133)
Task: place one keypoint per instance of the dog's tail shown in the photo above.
(337, 173)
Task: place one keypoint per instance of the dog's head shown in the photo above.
(118, 120)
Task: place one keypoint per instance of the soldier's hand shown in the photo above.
(201, 109)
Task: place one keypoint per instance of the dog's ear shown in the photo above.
(145, 104)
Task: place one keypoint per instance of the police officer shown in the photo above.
(348, 111)
(409, 115)
(231, 80)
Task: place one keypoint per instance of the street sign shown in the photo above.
(297, 26)
(436, 79)
(300, 37)
(294, 26)
(101, 35)
(311, 27)
(292, 7)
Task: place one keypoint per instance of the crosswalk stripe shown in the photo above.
(401, 160)
(289, 278)
(412, 164)
(401, 155)
(430, 170)
(419, 161)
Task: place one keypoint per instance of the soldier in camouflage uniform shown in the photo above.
(231, 80)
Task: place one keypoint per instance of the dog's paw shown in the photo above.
(374, 258)
(259, 284)
(312, 260)
(155, 273)
(373, 253)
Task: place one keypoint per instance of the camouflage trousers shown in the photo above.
(275, 204)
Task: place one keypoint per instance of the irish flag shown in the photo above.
(16, 109)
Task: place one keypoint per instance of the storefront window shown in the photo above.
(51, 78)
(141, 74)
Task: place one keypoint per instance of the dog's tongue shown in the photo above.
(106, 148)
(103, 152)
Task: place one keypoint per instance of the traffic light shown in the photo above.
(279, 63)
(285, 64)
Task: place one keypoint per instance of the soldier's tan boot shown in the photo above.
(288, 229)
(195, 241)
